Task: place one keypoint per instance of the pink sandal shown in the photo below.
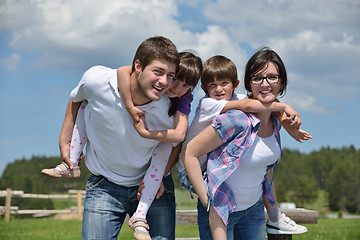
(139, 222)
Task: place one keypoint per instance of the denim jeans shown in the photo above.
(204, 225)
(203, 222)
(248, 224)
(106, 205)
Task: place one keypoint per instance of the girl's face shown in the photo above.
(178, 88)
(266, 84)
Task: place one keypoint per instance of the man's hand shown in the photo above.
(158, 195)
(64, 145)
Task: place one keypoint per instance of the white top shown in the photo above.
(206, 111)
(115, 150)
(245, 182)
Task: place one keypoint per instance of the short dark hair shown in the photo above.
(218, 67)
(156, 48)
(260, 60)
(190, 69)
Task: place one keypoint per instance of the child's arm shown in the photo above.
(123, 76)
(255, 106)
(288, 117)
(170, 135)
(296, 133)
(204, 142)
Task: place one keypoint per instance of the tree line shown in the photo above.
(298, 177)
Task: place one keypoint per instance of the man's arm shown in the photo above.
(67, 130)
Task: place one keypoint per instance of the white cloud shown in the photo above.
(11, 64)
(319, 41)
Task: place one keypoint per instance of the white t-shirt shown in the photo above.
(115, 150)
(245, 181)
(206, 111)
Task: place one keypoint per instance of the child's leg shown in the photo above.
(218, 228)
(273, 212)
(78, 141)
(153, 178)
(79, 137)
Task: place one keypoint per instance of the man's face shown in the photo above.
(155, 79)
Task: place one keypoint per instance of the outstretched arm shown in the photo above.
(255, 106)
(123, 77)
(296, 133)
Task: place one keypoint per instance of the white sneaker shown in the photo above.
(284, 226)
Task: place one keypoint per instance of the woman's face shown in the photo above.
(266, 92)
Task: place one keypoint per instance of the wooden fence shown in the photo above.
(7, 210)
(183, 217)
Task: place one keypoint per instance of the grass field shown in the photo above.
(52, 229)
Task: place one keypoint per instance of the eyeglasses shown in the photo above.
(258, 80)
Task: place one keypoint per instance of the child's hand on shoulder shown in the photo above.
(141, 127)
(135, 113)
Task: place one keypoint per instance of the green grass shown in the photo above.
(332, 229)
(52, 229)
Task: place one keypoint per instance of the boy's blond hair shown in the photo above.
(216, 68)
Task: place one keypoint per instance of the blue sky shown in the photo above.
(45, 47)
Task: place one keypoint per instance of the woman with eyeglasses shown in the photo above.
(244, 149)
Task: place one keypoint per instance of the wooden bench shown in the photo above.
(299, 215)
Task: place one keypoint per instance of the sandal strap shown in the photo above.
(63, 166)
(138, 222)
(141, 224)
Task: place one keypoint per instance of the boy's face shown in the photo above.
(220, 89)
(154, 80)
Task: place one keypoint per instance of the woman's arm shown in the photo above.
(266, 203)
(170, 135)
(123, 77)
(204, 142)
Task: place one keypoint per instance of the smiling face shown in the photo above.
(152, 81)
(178, 88)
(220, 89)
(266, 92)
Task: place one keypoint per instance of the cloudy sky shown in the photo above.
(45, 47)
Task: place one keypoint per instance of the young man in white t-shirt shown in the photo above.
(116, 155)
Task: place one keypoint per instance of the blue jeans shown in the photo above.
(204, 225)
(106, 205)
(248, 224)
(203, 222)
